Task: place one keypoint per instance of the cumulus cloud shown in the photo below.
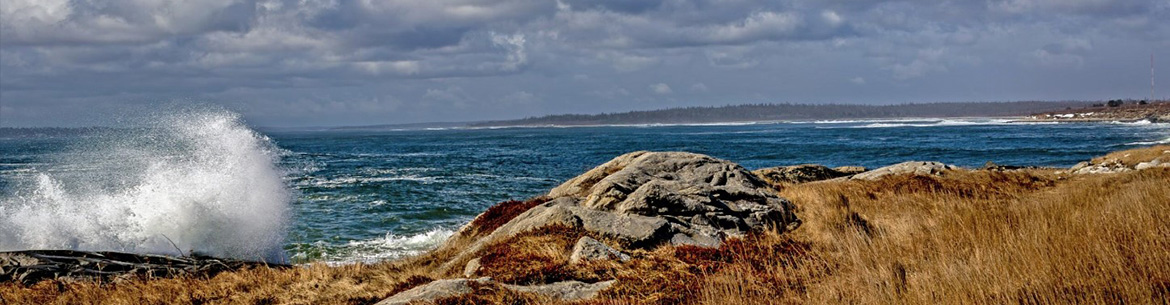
(406, 61)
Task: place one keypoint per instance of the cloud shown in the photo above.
(322, 62)
(661, 89)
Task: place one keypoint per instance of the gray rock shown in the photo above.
(434, 290)
(850, 170)
(565, 291)
(696, 194)
(632, 228)
(1078, 166)
(645, 199)
(1102, 168)
(1151, 164)
(798, 173)
(911, 167)
(589, 249)
(471, 268)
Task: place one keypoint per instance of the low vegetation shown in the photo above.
(1035, 236)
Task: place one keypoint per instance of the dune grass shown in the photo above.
(972, 237)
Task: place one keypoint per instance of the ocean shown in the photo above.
(207, 183)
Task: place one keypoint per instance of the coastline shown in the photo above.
(880, 214)
(1157, 112)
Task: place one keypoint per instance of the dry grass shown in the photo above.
(971, 237)
(1134, 156)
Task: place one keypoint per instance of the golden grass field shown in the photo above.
(1036, 236)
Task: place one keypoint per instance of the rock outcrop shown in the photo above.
(563, 291)
(911, 167)
(1122, 163)
(435, 290)
(589, 249)
(1099, 168)
(639, 200)
(29, 267)
(850, 170)
(644, 199)
(796, 174)
(701, 199)
(648, 198)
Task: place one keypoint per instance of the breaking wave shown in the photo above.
(193, 182)
(387, 247)
(1155, 142)
(944, 123)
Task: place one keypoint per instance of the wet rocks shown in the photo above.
(29, 267)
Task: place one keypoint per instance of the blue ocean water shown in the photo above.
(374, 195)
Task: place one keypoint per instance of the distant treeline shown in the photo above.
(789, 112)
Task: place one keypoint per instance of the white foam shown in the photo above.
(387, 247)
(1145, 122)
(200, 180)
(1155, 142)
(351, 181)
(947, 122)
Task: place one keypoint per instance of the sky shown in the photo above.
(285, 63)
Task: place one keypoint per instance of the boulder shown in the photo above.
(850, 170)
(630, 228)
(471, 268)
(911, 167)
(1105, 167)
(644, 199)
(435, 290)
(565, 291)
(797, 173)
(698, 196)
(1125, 161)
(438, 289)
(589, 249)
(1151, 164)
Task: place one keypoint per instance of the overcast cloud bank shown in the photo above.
(319, 62)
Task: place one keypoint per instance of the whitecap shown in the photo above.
(190, 182)
(388, 247)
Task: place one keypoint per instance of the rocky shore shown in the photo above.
(675, 227)
(1156, 112)
(30, 267)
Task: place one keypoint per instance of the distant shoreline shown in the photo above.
(1156, 112)
(792, 113)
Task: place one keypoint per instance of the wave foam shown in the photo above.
(1155, 142)
(199, 182)
(384, 248)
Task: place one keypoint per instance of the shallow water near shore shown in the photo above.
(374, 195)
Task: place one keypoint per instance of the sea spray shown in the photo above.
(193, 182)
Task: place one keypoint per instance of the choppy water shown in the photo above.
(207, 183)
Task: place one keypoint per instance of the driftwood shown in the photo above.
(30, 267)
